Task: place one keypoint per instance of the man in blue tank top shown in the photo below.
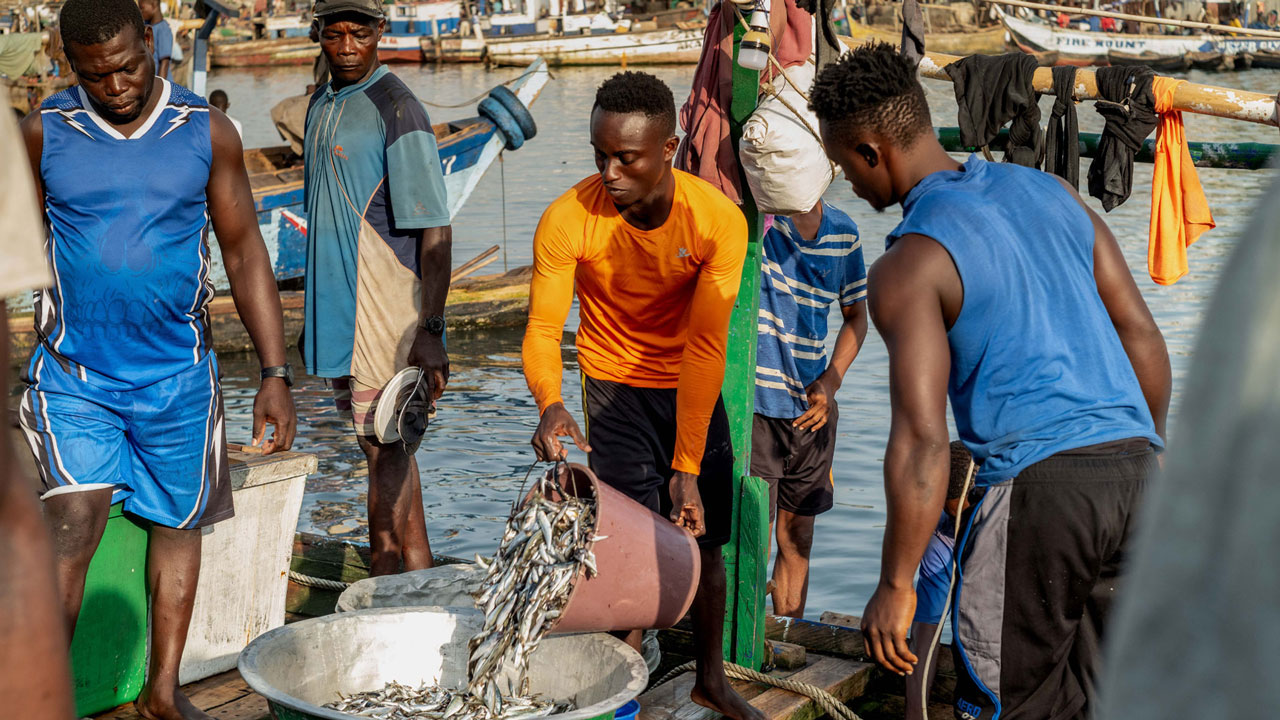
(1003, 292)
(123, 402)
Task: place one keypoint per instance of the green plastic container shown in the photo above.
(109, 652)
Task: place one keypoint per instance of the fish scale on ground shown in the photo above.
(545, 545)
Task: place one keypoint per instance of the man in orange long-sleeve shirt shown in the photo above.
(657, 256)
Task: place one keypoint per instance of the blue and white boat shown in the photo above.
(409, 22)
(467, 148)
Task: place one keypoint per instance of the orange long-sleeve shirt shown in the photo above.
(653, 305)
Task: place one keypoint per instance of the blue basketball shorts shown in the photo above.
(161, 448)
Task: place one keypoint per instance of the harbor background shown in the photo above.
(477, 450)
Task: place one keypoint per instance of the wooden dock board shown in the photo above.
(225, 697)
(844, 679)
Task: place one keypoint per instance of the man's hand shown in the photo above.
(686, 504)
(556, 423)
(820, 394)
(274, 404)
(429, 355)
(884, 628)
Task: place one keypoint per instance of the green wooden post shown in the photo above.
(746, 555)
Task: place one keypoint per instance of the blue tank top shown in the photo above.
(1036, 365)
(127, 239)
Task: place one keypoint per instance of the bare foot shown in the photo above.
(178, 707)
(718, 695)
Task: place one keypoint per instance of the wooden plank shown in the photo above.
(844, 679)
(208, 693)
(744, 560)
(785, 656)
(817, 637)
(670, 700)
(944, 682)
(835, 618)
(249, 707)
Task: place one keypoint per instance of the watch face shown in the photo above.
(435, 325)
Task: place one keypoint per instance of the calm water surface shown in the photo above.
(478, 448)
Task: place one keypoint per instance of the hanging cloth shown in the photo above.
(707, 148)
(1179, 210)
(991, 90)
(912, 32)
(1062, 142)
(1125, 102)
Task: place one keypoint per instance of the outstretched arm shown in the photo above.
(820, 393)
(550, 298)
(906, 305)
(253, 285)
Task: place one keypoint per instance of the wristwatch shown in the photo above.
(433, 325)
(284, 372)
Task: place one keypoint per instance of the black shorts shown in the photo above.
(632, 432)
(795, 463)
(1041, 559)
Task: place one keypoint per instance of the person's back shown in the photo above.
(1051, 375)
(136, 230)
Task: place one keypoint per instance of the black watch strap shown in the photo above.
(433, 325)
(285, 372)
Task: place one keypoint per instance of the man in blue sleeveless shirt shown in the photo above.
(123, 402)
(1001, 290)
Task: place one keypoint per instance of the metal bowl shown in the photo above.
(301, 666)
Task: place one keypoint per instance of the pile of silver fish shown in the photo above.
(546, 544)
(401, 702)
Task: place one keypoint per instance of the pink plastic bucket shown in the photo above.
(648, 566)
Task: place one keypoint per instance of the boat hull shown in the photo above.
(982, 41)
(1083, 47)
(467, 148)
(263, 53)
(673, 46)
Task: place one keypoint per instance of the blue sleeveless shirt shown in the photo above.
(1036, 365)
(127, 240)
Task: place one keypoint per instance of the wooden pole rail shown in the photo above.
(1230, 156)
(1139, 18)
(1189, 97)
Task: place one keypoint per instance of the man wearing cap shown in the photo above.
(378, 260)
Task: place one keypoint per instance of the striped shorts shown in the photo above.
(161, 449)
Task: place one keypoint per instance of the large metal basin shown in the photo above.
(302, 666)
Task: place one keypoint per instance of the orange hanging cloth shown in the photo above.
(1179, 210)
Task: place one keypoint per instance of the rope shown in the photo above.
(471, 101)
(315, 582)
(828, 702)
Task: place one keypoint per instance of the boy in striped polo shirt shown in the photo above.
(811, 260)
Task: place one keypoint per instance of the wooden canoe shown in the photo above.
(264, 53)
(1176, 63)
(979, 41)
(670, 46)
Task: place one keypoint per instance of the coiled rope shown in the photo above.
(315, 582)
(828, 702)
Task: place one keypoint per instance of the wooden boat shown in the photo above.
(263, 53)
(1083, 47)
(1155, 62)
(1046, 59)
(1269, 60)
(678, 45)
(1244, 60)
(409, 22)
(467, 148)
(979, 41)
(1211, 61)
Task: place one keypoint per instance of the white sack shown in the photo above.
(783, 160)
